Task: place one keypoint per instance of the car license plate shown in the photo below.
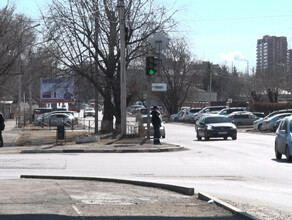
(222, 133)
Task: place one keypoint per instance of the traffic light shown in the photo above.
(151, 65)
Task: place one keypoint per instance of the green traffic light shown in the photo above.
(151, 72)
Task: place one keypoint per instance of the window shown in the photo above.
(283, 126)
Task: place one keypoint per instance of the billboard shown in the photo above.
(57, 90)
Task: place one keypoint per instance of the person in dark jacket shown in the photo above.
(2, 126)
(156, 122)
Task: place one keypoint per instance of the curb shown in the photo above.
(135, 150)
(179, 189)
(234, 210)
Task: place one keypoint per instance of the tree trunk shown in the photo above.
(107, 121)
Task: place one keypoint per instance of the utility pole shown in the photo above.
(96, 33)
(121, 7)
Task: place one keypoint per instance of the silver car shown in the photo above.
(283, 141)
(242, 118)
(143, 121)
(58, 119)
(268, 123)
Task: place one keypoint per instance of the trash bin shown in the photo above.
(61, 132)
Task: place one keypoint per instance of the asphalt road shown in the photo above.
(242, 172)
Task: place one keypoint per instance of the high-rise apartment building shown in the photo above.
(271, 54)
(289, 64)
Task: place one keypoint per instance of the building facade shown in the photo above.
(271, 54)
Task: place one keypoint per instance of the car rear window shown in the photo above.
(194, 110)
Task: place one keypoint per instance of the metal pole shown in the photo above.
(121, 7)
(30, 101)
(19, 99)
(148, 107)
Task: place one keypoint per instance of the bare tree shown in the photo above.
(16, 36)
(85, 34)
(179, 73)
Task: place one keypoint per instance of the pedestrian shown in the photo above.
(156, 122)
(2, 126)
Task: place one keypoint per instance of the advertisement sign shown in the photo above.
(57, 90)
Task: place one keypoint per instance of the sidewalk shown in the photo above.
(43, 140)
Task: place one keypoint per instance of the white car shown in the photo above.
(205, 110)
(257, 124)
(89, 112)
(143, 120)
(189, 112)
(174, 117)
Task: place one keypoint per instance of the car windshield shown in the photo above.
(211, 120)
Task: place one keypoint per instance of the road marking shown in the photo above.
(78, 212)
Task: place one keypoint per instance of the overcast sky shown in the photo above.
(219, 31)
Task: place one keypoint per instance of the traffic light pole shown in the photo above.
(148, 106)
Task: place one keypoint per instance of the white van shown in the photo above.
(207, 110)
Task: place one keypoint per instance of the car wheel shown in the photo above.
(225, 138)
(289, 158)
(175, 119)
(277, 154)
(260, 127)
(199, 137)
(207, 138)
(163, 136)
(234, 137)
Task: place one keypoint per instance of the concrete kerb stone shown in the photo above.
(179, 189)
(234, 210)
(132, 150)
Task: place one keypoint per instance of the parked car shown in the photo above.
(227, 111)
(215, 126)
(268, 123)
(210, 109)
(259, 114)
(89, 112)
(242, 118)
(40, 117)
(188, 113)
(259, 122)
(143, 121)
(58, 119)
(283, 140)
(181, 115)
(278, 122)
(174, 117)
(134, 108)
(39, 111)
(141, 112)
